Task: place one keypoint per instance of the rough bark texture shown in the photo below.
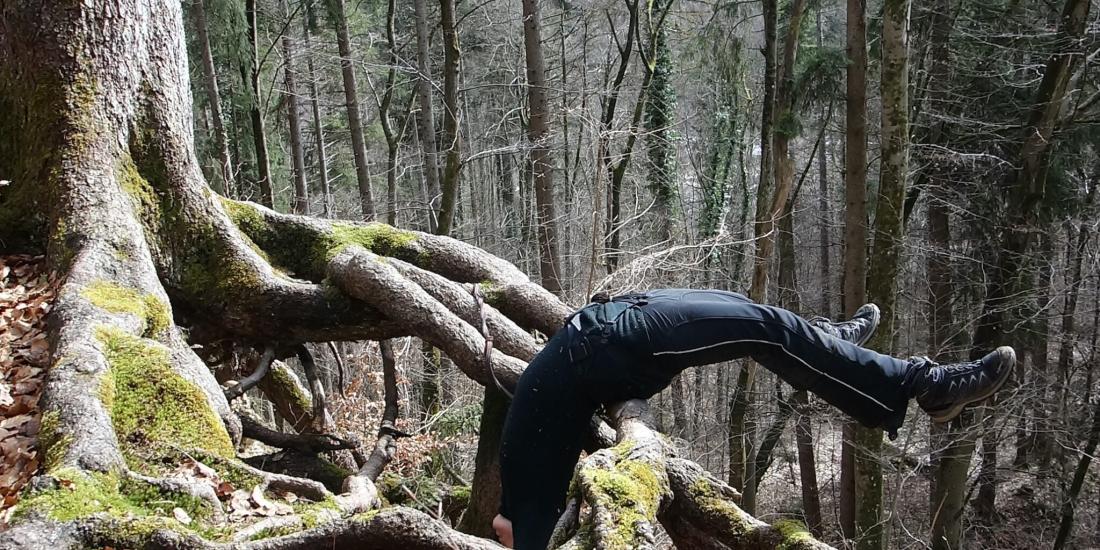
(259, 131)
(213, 98)
(538, 134)
(300, 205)
(338, 13)
(855, 219)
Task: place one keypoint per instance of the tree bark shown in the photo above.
(855, 221)
(338, 13)
(452, 141)
(538, 135)
(301, 192)
(210, 82)
(259, 133)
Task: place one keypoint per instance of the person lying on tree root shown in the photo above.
(631, 346)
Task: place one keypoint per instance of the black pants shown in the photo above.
(632, 347)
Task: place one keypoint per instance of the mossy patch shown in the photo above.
(152, 405)
(141, 192)
(119, 299)
(304, 249)
(79, 494)
(52, 444)
(284, 378)
(631, 491)
(794, 533)
(714, 504)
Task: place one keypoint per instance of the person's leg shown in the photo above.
(691, 328)
(688, 328)
(546, 422)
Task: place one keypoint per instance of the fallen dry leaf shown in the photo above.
(26, 295)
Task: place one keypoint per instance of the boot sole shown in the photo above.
(950, 414)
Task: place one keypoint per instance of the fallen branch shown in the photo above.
(305, 442)
(236, 390)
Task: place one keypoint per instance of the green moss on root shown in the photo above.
(119, 299)
(52, 444)
(715, 505)
(145, 201)
(304, 249)
(282, 377)
(794, 533)
(631, 491)
(152, 405)
(79, 495)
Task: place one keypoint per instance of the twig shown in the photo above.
(251, 380)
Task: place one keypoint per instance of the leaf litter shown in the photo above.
(27, 293)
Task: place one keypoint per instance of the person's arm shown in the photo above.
(503, 527)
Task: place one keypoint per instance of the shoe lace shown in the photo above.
(959, 368)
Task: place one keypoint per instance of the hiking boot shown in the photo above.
(944, 390)
(856, 330)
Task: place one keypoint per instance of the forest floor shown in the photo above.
(26, 295)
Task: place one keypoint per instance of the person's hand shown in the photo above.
(503, 527)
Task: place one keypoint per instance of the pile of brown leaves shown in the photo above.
(26, 295)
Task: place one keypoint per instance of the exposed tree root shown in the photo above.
(622, 493)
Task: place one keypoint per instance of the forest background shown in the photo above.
(611, 145)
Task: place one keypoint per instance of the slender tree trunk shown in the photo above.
(1065, 527)
(393, 138)
(452, 142)
(855, 222)
(210, 83)
(318, 122)
(807, 463)
(742, 428)
(427, 117)
(607, 164)
(1042, 441)
(259, 134)
(538, 134)
(301, 193)
(1075, 279)
(886, 261)
(338, 13)
(824, 219)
